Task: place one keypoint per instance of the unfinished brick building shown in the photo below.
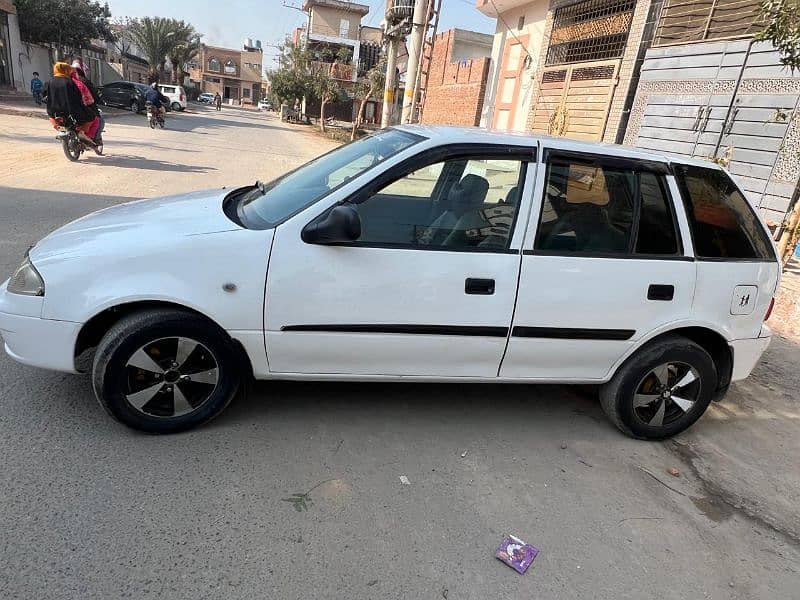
(459, 70)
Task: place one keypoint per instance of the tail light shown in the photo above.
(769, 310)
(183, 98)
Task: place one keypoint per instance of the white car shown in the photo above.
(176, 95)
(264, 105)
(415, 254)
(205, 98)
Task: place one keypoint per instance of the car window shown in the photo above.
(167, 89)
(657, 233)
(266, 206)
(587, 208)
(458, 204)
(723, 223)
(111, 86)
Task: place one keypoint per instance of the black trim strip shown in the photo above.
(389, 246)
(604, 255)
(564, 333)
(622, 162)
(472, 330)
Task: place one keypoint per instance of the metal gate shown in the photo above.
(574, 100)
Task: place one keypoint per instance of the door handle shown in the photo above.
(660, 292)
(481, 287)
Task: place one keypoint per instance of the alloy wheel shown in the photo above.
(170, 377)
(666, 393)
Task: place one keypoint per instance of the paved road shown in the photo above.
(89, 509)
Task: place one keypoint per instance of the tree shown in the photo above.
(327, 87)
(292, 80)
(65, 25)
(159, 38)
(181, 55)
(366, 88)
(782, 28)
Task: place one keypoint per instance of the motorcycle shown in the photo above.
(72, 143)
(154, 116)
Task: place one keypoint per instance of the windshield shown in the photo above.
(266, 206)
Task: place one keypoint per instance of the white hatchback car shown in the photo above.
(415, 254)
(176, 95)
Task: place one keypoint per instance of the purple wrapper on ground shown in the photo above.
(516, 554)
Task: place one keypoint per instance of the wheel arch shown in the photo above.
(708, 338)
(96, 327)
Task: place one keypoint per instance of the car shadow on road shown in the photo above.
(130, 161)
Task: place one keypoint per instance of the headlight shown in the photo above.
(26, 280)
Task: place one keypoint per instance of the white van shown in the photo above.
(176, 95)
(414, 254)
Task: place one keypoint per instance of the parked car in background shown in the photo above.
(264, 105)
(124, 94)
(415, 254)
(176, 95)
(206, 98)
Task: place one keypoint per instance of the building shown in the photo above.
(234, 74)
(562, 67)
(334, 35)
(706, 89)
(457, 75)
(10, 48)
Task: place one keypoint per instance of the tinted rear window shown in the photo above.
(723, 223)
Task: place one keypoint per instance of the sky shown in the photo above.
(227, 22)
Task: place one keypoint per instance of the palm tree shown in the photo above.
(159, 38)
(182, 54)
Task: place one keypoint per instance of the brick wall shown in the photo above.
(455, 91)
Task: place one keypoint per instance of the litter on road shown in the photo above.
(516, 554)
(404, 480)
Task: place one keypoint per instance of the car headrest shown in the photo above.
(513, 196)
(470, 192)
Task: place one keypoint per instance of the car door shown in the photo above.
(606, 263)
(428, 287)
(111, 94)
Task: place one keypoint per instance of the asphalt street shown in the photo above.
(90, 509)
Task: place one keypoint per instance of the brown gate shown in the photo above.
(574, 100)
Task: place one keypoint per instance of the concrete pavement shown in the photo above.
(90, 509)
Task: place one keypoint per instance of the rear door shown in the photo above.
(604, 265)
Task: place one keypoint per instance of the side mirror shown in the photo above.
(341, 224)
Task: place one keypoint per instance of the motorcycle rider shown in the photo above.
(64, 102)
(157, 99)
(79, 74)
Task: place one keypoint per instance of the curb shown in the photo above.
(41, 114)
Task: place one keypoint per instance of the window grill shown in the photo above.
(588, 73)
(599, 48)
(698, 20)
(554, 76)
(590, 30)
(590, 10)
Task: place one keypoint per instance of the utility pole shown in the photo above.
(419, 22)
(391, 81)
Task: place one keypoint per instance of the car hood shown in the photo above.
(151, 222)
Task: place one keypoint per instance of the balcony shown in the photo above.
(339, 71)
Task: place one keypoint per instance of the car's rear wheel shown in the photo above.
(164, 371)
(662, 390)
(176, 106)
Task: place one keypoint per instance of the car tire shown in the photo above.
(200, 371)
(661, 390)
(175, 106)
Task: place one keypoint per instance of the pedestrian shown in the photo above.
(65, 103)
(218, 101)
(36, 88)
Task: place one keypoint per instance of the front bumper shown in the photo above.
(746, 353)
(34, 341)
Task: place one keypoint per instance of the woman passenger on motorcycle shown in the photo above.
(64, 102)
(79, 77)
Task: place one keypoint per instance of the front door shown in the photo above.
(606, 267)
(428, 288)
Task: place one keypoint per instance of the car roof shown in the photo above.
(447, 134)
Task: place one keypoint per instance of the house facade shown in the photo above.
(10, 48)
(562, 67)
(708, 90)
(234, 74)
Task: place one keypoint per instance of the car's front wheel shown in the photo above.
(661, 390)
(164, 371)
